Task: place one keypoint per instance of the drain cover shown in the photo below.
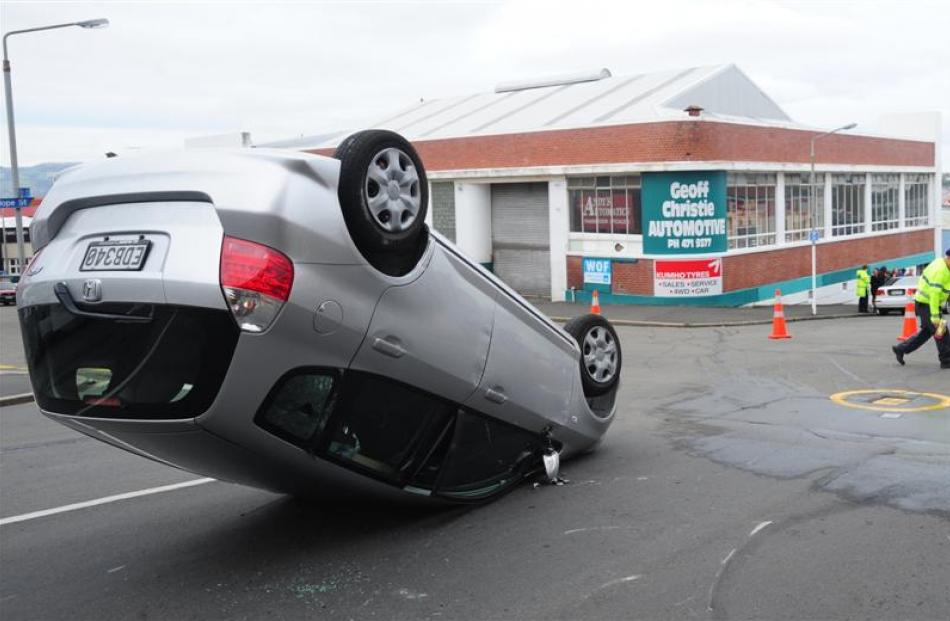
(892, 400)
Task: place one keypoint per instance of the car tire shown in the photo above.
(601, 359)
(386, 222)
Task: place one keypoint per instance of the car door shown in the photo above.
(432, 333)
(531, 368)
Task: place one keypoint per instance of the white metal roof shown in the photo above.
(721, 90)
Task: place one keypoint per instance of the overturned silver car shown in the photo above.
(288, 321)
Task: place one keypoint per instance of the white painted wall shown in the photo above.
(559, 218)
(840, 293)
(428, 219)
(473, 220)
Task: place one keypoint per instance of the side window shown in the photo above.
(300, 406)
(485, 457)
(385, 427)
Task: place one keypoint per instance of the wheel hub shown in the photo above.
(600, 354)
(393, 191)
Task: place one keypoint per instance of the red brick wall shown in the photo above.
(760, 268)
(663, 142)
(633, 278)
(575, 273)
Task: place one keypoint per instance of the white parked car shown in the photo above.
(895, 294)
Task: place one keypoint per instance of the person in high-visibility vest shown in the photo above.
(933, 290)
(862, 288)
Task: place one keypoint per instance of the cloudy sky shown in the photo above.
(166, 71)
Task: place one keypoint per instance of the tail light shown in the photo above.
(28, 269)
(256, 281)
(877, 292)
(911, 291)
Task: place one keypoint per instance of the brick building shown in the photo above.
(684, 186)
(9, 262)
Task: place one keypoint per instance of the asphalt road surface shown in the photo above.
(730, 487)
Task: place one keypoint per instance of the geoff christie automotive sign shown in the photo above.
(687, 278)
(684, 212)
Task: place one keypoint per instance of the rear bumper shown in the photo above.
(893, 302)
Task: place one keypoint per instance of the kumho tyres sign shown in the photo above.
(684, 212)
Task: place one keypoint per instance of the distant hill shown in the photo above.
(38, 178)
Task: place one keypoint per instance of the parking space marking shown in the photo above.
(892, 400)
(102, 501)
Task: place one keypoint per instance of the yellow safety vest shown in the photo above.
(933, 288)
(864, 281)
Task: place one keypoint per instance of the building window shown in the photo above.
(804, 206)
(609, 205)
(9, 234)
(847, 204)
(885, 213)
(750, 209)
(916, 200)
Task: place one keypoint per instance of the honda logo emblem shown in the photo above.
(92, 290)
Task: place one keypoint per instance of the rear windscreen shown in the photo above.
(170, 366)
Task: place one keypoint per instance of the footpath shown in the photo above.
(693, 316)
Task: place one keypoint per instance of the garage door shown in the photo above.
(521, 249)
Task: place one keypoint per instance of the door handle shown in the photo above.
(388, 348)
(496, 395)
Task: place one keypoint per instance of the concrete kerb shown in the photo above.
(715, 324)
(26, 397)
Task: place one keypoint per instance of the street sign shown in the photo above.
(813, 236)
(26, 193)
(15, 202)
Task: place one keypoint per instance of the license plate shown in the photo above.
(896, 292)
(122, 255)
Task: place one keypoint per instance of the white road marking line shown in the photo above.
(101, 501)
(844, 370)
(115, 569)
(759, 527)
(618, 581)
(592, 528)
(728, 557)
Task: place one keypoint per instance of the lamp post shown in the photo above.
(813, 236)
(14, 169)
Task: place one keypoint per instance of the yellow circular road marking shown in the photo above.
(891, 400)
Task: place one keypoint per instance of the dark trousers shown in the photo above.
(863, 303)
(923, 335)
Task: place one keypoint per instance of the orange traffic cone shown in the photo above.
(779, 329)
(595, 303)
(910, 323)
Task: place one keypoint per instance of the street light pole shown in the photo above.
(11, 129)
(813, 236)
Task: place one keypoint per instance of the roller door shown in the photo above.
(521, 248)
